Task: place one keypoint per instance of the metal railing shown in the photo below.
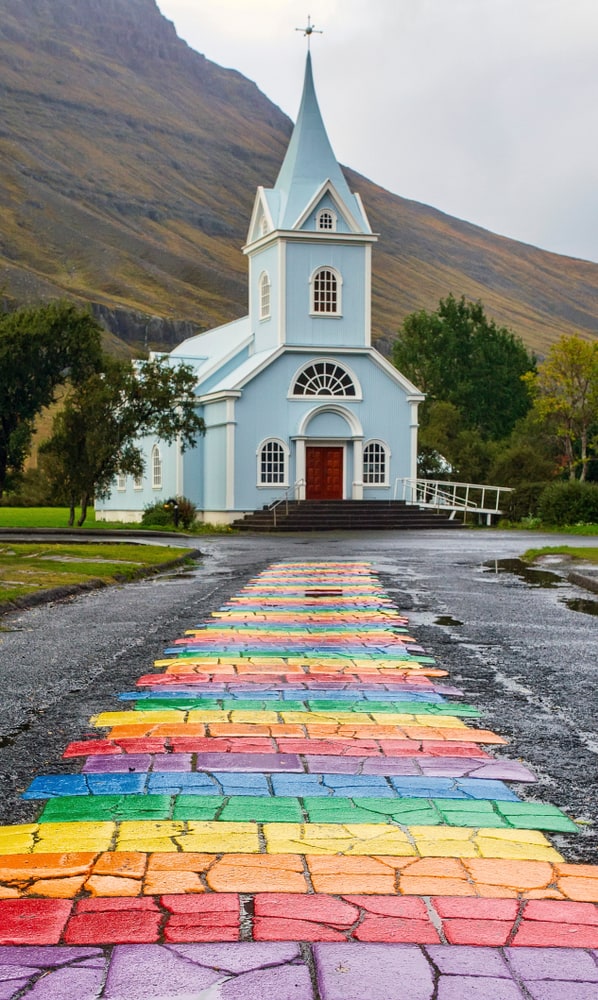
(295, 488)
(475, 498)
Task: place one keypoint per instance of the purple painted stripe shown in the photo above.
(281, 971)
(430, 767)
(183, 762)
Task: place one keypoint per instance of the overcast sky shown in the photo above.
(485, 109)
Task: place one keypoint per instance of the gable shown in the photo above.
(263, 215)
(327, 198)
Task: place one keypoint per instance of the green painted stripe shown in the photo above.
(261, 809)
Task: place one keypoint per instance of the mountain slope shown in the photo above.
(128, 167)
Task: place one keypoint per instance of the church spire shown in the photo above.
(309, 163)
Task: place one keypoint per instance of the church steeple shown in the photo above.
(309, 247)
(310, 163)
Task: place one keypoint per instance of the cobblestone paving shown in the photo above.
(296, 804)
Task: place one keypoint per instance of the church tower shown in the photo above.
(309, 247)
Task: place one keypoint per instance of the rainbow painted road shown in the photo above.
(295, 804)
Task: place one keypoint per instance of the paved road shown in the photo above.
(519, 651)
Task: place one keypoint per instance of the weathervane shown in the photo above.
(309, 31)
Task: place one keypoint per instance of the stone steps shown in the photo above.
(345, 515)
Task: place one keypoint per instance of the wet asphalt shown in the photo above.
(521, 644)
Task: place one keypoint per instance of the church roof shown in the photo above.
(308, 164)
(209, 351)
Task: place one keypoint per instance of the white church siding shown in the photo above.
(334, 330)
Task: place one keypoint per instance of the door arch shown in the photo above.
(327, 451)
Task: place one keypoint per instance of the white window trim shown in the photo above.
(138, 483)
(358, 397)
(384, 446)
(264, 279)
(157, 484)
(337, 314)
(121, 482)
(334, 218)
(287, 453)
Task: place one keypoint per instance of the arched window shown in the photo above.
(272, 464)
(156, 468)
(264, 227)
(138, 483)
(326, 292)
(324, 378)
(375, 464)
(264, 290)
(326, 220)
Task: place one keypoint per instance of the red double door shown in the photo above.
(324, 473)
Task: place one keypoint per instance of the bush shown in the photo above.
(162, 514)
(157, 516)
(524, 501)
(573, 502)
(187, 512)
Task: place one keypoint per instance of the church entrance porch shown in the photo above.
(324, 473)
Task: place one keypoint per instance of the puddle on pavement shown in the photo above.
(583, 604)
(177, 577)
(447, 620)
(541, 578)
(528, 574)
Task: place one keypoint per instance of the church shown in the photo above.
(295, 399)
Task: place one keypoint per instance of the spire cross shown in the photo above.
(309, 31)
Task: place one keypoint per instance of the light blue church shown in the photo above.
(293, 396)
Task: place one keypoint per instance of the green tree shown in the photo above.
(531, 454)
(96, 435)
(457, 355)
(450, 449)
(565, 390)
(40, 349)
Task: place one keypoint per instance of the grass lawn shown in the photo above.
(40, 517)
(27, 568)
(589, 554)
(58, 517)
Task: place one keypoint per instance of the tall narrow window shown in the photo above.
(272, 464)
(375, 464)
(156, 468)
(121, 482)
(325, 297)
(264, 286)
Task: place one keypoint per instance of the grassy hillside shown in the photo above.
(128, 167)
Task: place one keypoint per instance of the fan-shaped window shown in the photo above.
(326, 292)
(375, 464)
(156, 468)
(324, 378)
(272, 464)
(326, 220)
(264, 287)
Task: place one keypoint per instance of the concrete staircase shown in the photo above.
(344, 515)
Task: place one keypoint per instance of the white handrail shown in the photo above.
(438, 493)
